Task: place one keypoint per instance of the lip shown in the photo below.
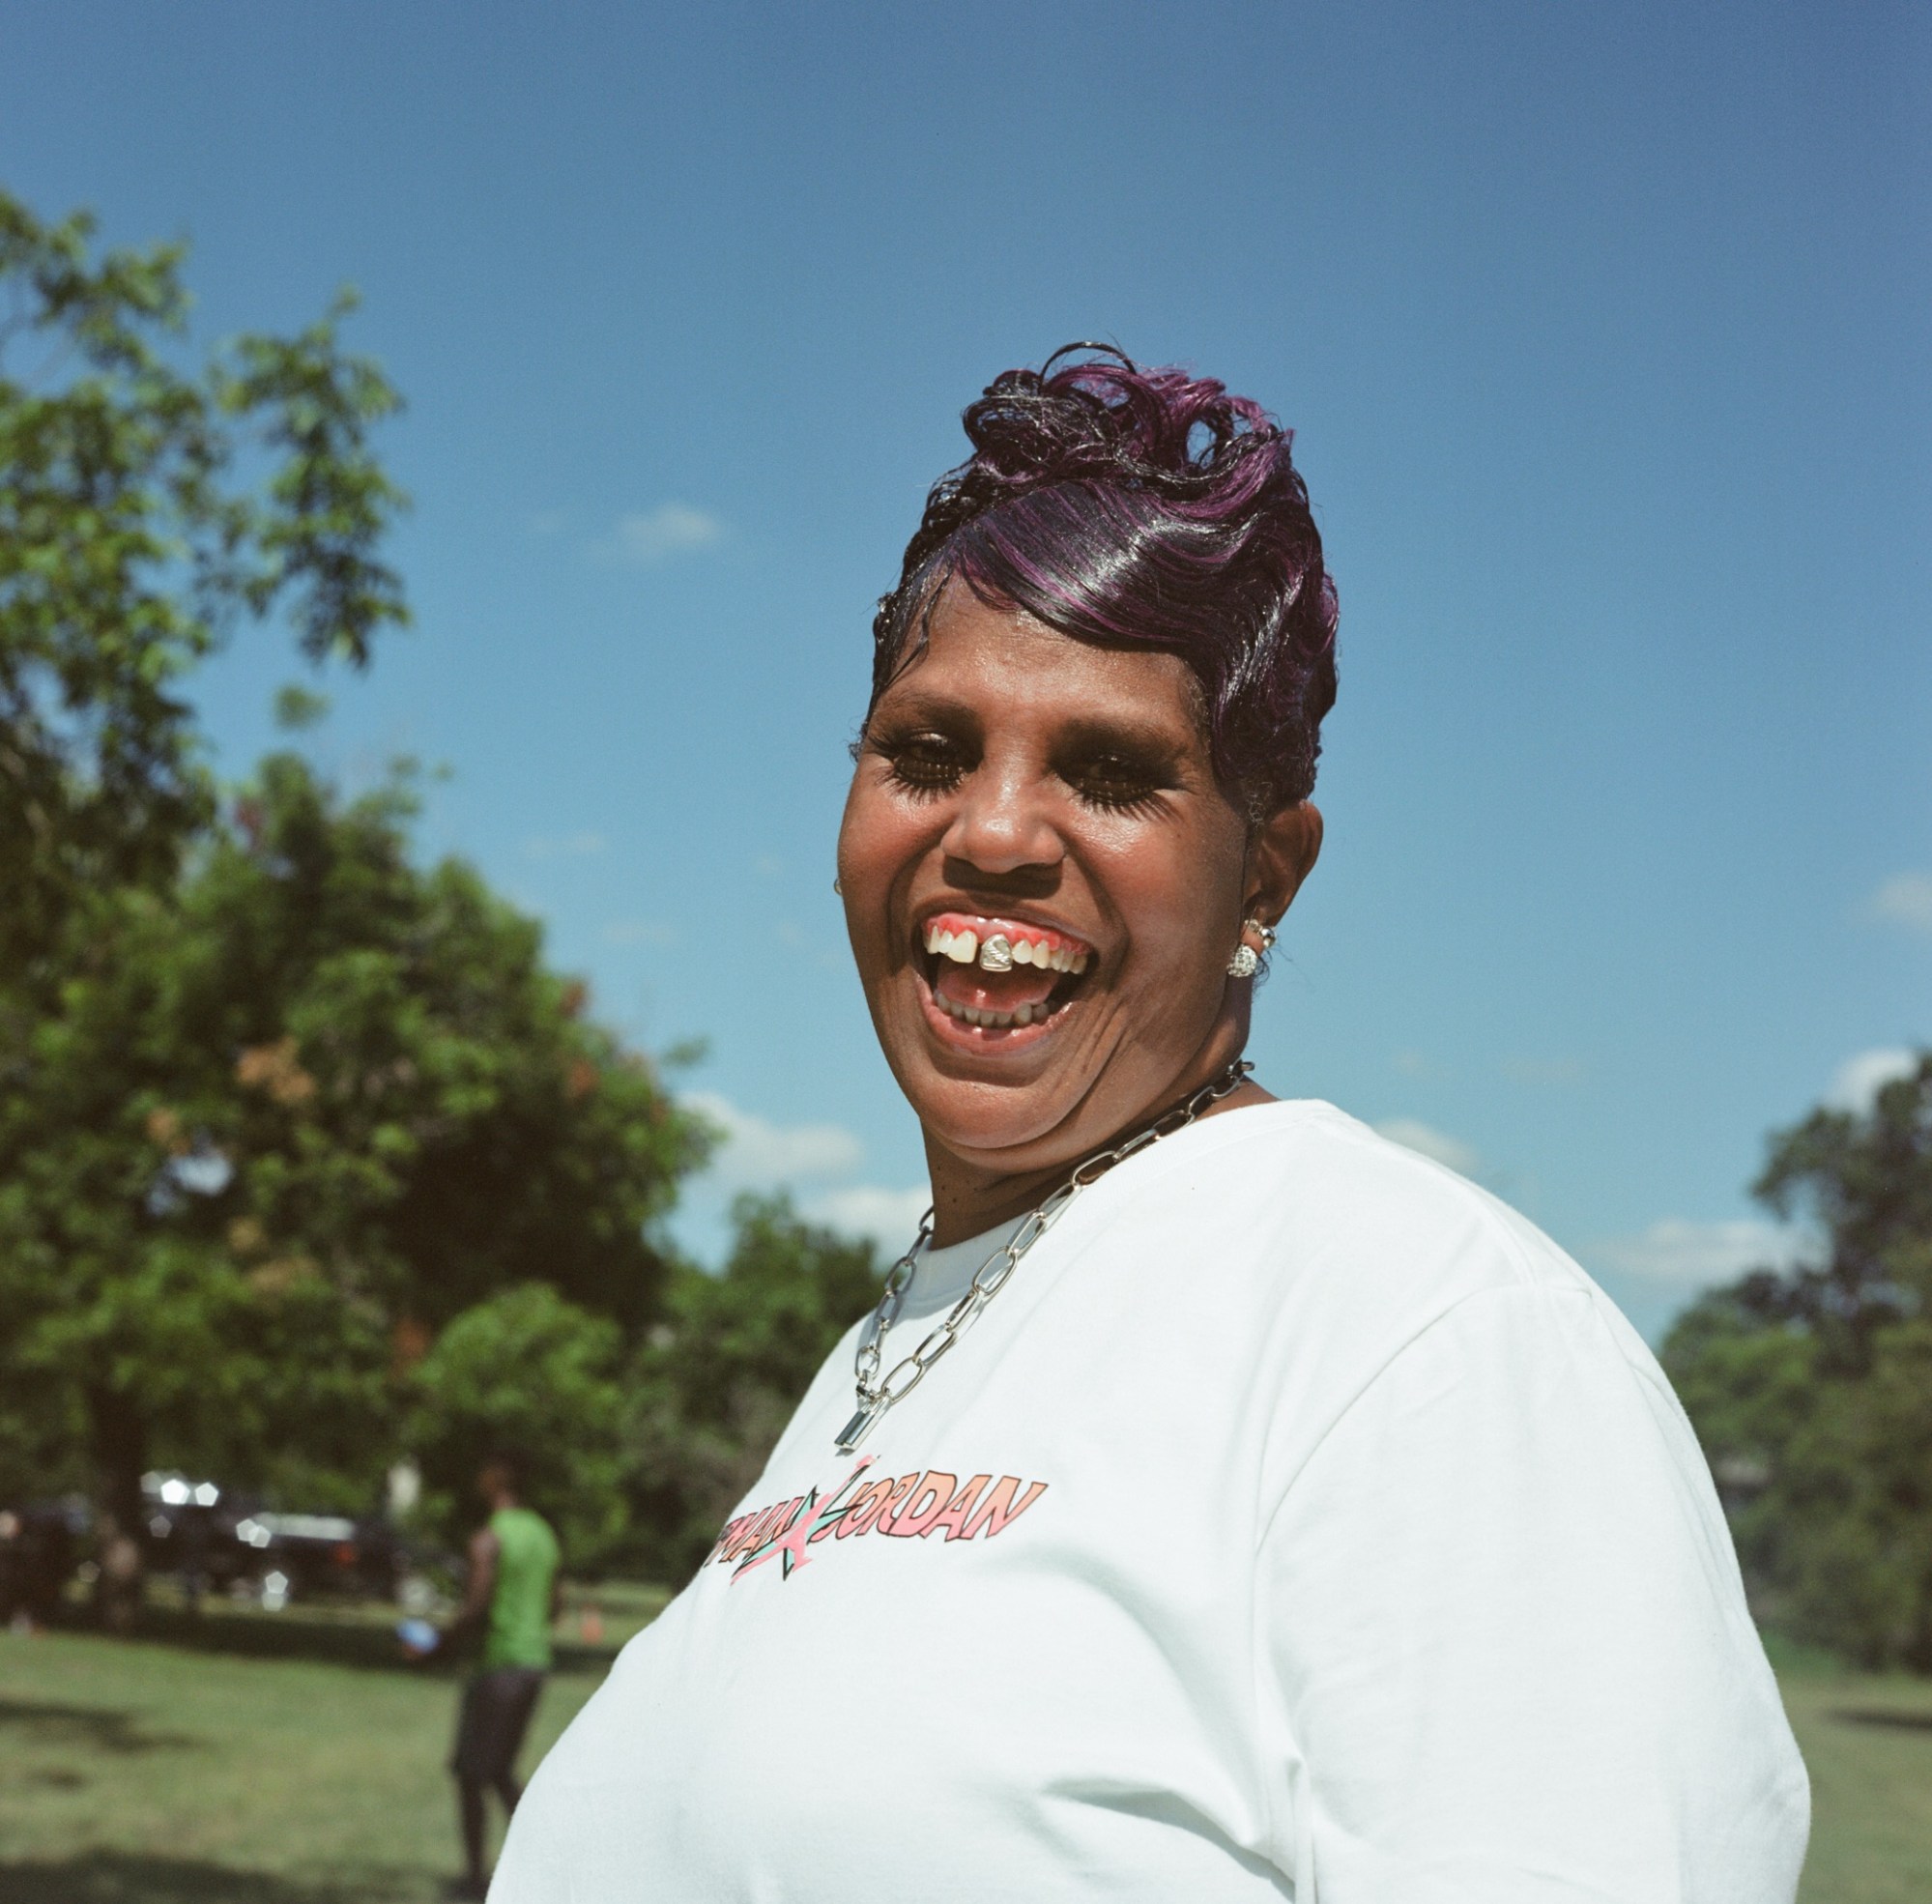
(969, 1040)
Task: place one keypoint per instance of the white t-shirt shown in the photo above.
(1298, 1522)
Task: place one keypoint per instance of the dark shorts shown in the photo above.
(495, 1714)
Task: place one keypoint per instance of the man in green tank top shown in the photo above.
(511, 1599)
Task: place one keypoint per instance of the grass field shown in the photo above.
(244, 1758)
(289, 1759)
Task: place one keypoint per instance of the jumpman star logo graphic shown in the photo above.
(806, 1519)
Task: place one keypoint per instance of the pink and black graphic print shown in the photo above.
(918, 1505)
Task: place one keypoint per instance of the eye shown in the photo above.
(924, 763)
(1116, 782)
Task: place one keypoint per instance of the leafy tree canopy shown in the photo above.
(292, 1121)
(145, 506)
(528, 1371)
(717, 1380)
(306, 1157)
(1811, 1391)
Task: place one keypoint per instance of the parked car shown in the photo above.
(219, 1539)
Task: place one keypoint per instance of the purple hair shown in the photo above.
(1141, 508)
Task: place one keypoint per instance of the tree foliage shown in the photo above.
(307, 1159)
(291, 1121)
(1812, 1390)
(639, 1449)
(717, 1380)
(145, 507)
(529, 1371)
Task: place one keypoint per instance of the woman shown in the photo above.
(1223, 1504)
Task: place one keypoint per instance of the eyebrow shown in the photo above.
(1146, 739)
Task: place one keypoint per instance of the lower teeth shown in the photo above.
(997, 1021)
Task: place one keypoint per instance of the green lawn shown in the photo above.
(1868, 1743)
(288, 1759)
(242, 1759)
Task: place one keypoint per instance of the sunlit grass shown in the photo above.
(1867, 1741)
(292, 1759)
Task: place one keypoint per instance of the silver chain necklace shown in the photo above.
(876, 1396)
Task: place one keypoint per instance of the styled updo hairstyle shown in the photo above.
(1141, 508)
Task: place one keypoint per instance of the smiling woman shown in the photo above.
(1310, 1526)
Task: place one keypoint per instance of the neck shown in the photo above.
(971, 1198)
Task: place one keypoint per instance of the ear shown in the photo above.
(1280, 856)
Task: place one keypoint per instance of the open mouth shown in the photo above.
(995, 975)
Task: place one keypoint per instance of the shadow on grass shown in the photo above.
(100, 1728)
(319, 1637)
(1879, 1716)
(277, 1637)
(114, 1877)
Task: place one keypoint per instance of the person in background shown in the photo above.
(511, 1599)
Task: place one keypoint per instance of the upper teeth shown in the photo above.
(1001, 951)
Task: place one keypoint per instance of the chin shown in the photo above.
(1006, 1098)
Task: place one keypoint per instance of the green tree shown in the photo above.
(303, 1150)
(529, 1371)
(146, 505)
(1811, 1390)
(718, 1378)
(291, 1121)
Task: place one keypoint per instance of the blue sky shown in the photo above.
(1604, 334)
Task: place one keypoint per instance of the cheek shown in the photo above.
(878, 841)
(1178, 898)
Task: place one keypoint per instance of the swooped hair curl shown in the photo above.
(1137, 507)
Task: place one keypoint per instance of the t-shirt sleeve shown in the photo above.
(1507, 1658)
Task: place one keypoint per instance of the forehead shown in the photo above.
(1002, 662)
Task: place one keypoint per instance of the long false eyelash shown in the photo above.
(908, 772)
(1143, 801)
(936, 777)
(1137, 806)
(926, 778)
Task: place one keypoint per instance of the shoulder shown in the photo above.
(1314, 1198)
(1344, 1250)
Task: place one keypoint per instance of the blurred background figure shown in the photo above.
(511, 1601)
(36, 1559)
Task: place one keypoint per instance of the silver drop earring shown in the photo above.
(1247, 961)
(837, 888)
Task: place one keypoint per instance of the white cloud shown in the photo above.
(757, 1154)
(811, 1159)
(637, 931)
(1857, 1083)
(889, 1217)
(654, 536)
(1691, 1256)
(1414, 1135)
(569, 846)
(1904, 900)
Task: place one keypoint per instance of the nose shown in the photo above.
(1001, 827)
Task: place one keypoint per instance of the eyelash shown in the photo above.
(927, 779)
(1134, 805)
(924, 779)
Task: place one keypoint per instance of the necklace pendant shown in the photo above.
(860, 1426)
